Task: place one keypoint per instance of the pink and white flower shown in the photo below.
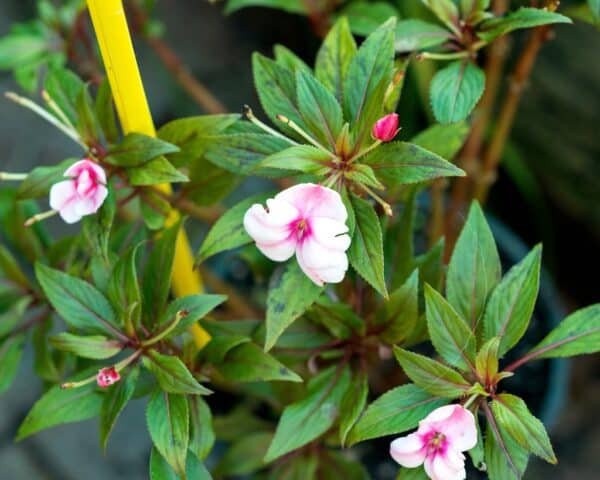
(308, 220)
(82, 194)
(438, 443)
(386, 128)
(107, 376)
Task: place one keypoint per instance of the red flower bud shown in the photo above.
(107, 376)
(386, 128)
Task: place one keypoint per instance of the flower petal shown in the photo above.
(456, 423)
(327, 264)
(271, 229)
(437, 468)
(408, 451)
(61, 194)
(95, 171)
(315, 201)
(69, 213)
(330, 233)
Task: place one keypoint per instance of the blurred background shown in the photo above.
(548, 190)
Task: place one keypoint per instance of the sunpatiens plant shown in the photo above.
(351, 331)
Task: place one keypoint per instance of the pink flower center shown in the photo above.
(301, 228)
(86, 182)
(435, 443)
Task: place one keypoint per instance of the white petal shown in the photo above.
(456, 423)
(315, 201)
(330, 233)
(61, 194)
(69, 213)
(437, 468)
(279, 251)
(408, 451)
(87, 165)
(310, 272)
(272, 230)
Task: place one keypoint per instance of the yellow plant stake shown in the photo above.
(110, 24)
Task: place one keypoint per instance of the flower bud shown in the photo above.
(107, 376)
(386, 128)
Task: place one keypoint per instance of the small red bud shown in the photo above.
(107, 376)
(386, 128)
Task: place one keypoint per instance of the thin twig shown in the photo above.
(201, 95)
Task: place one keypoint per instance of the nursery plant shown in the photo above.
(360, 321)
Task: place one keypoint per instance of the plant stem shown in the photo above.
(199, 93)
(363, 152)
(16, 177)
(443, 56)
(469, 159)
(303, 134)
(506, 117)
(249, 114)
(38, 217)
(35, 108)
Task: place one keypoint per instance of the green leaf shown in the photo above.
(156, 171)
(11, 351)
(334, 57)
(105, 112)
(514, 417)
(13, 315)
(353, 404)
(59, 406)
(137, 149)
(319, 108)
(396, 411)
(88, 123)
(40, 179)
(291, 292)
(508, 311)
(364, 175)
(245, 455)
(172, 374)
(44, 364)
(63, 86)
(291, 6)
(249, 363)
(415, 34)
(474, 269)
(228, 231)
(195, 307)
(444, 140)
(202, 435)
(160, 469)
(301, 158)
(338, 318)
(20, 48)
(242, 153)
(577, 334)
(115, 400)
(522, 18)
(10, 269)
(450, 334)
(157, 274)
(192, 135)
(505, 459)
(276, 88)
(455, 90)
(288, 59)
(399, 163)
(168, 424)
(477, 453)
(369, 73)
(400, 312)
(486, 362)
(309, 418)
(79, 303)
(124, 291)
(96, 347)
(366, 250)
(365, 17)
(430, 375)
(445, 10)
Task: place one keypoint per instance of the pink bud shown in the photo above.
(82, 194)
(386, 128)
(307, 220)
(107, 376)
(438, 443)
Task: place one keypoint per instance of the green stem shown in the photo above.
(363, 152)
(17, 177)
(303, 134)
(151, 341)
(249, 114)
(38, 217)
